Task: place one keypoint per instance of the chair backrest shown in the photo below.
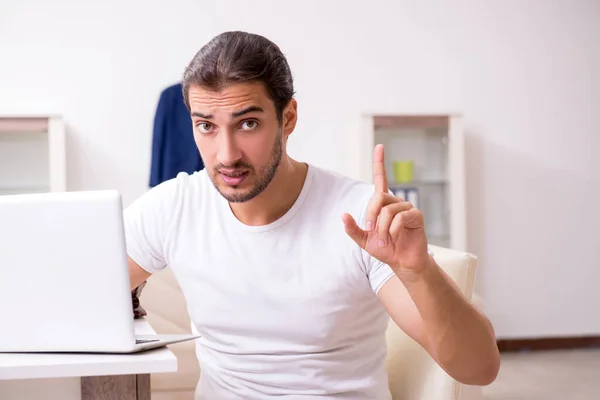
(413, 374)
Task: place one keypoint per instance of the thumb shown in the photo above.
(354, 231)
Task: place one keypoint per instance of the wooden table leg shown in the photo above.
(143, 387)
(116, 387)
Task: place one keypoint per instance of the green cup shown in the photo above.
(404, 171)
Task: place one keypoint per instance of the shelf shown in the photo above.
(417, 183)
(411, 121)
(24, 125)
(32, 154)
(432, 145)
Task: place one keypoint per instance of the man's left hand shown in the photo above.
(394, 231)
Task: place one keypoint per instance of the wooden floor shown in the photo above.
(543, 375)
(173, 395)
(548, 375)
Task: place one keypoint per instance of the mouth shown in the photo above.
(233, 178)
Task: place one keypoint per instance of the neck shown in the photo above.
(279, 196)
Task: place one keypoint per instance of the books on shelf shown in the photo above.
(408, 194)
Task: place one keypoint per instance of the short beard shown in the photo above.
(265, 175)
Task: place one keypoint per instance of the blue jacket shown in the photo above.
(173, 146)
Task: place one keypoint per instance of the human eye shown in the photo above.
(204, 127)
(249, 125)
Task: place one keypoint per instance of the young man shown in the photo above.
(291, 272)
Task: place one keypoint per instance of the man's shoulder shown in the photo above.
(340, 193)
(173, 191)
(340, 185)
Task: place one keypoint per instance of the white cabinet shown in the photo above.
(424, 161)
(32, 155)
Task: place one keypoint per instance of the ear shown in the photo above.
(290, 116)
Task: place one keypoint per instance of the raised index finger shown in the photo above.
(379, 176)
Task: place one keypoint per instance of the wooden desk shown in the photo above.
(84, 376)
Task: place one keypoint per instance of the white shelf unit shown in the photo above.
(435, 145)
(32, 155)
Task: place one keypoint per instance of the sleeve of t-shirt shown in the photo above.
(379, 274)
(147, 221)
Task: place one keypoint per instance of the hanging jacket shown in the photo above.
(173, 146)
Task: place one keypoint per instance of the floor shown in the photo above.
(548, 375)
(173, 395)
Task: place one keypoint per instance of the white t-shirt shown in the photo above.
(287, 309)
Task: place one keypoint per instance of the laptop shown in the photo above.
(64, 279)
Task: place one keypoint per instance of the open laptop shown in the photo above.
(64, 280)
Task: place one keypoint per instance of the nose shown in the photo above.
(228, 152)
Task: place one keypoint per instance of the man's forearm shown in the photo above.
(462, 339)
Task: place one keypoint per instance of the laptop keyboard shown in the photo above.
(142, 341)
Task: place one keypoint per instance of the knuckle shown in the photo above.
(386, 212)
(398, 198)
(372, 213)
(375, 201)
(383, 230)
(392, 196)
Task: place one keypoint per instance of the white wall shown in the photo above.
(525, 74)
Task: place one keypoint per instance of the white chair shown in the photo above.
(412, 373)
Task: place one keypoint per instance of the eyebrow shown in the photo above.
(234, 114)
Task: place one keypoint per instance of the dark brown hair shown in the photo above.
(241, 57)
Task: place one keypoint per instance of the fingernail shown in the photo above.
(369, 225)
(381, 243)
